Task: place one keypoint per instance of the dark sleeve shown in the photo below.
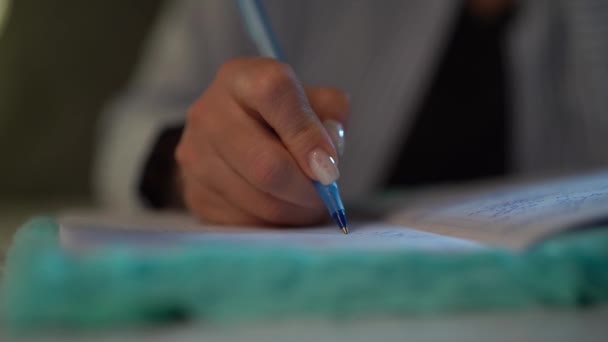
(159, 185)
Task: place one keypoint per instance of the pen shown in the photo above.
(258, 25)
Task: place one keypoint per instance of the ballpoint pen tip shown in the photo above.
(344, 230)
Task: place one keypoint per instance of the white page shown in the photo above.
(88, 232)
(515, 216)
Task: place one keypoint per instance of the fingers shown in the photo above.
(329, 103)
(264, 163)
(229, 196)
(252, 151)
(216, 192)
(211, 206)
(332, 106)
(271, 90)
(254, 140)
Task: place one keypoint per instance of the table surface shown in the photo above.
(555, 326)
(590, 324)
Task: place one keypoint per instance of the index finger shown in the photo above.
(270, 89)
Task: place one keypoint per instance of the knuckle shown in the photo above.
(339, 95)
(229, 67)
(183, 154)
(194, 115)
(271, 80)
(274, 212)
(199, 202)
(205, 213)
(199, 113)
(341, 104)
(193, 202)
(270, 171)
(306, 133)
(332, 102)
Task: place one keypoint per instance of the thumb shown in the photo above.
(332, 106)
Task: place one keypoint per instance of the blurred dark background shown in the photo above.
(60, 60)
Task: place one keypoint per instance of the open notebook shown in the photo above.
(513, 216)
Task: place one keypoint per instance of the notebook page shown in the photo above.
(81, 233)
(515, 216)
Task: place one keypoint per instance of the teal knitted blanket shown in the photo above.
(45, 286)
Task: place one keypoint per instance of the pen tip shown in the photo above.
(340, 219)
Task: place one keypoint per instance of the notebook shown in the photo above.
(510, 215)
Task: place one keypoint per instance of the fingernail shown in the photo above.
(336, 132)
(324, 167)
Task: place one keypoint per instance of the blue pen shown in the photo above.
(258, 26)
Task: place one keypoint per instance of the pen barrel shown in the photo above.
(259, 28)
(330, 196)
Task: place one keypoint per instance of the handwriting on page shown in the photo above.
(549, 206)
(372, 236)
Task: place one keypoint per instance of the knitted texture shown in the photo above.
(45, 286)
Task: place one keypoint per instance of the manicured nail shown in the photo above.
(324, 167)
(336, 132)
